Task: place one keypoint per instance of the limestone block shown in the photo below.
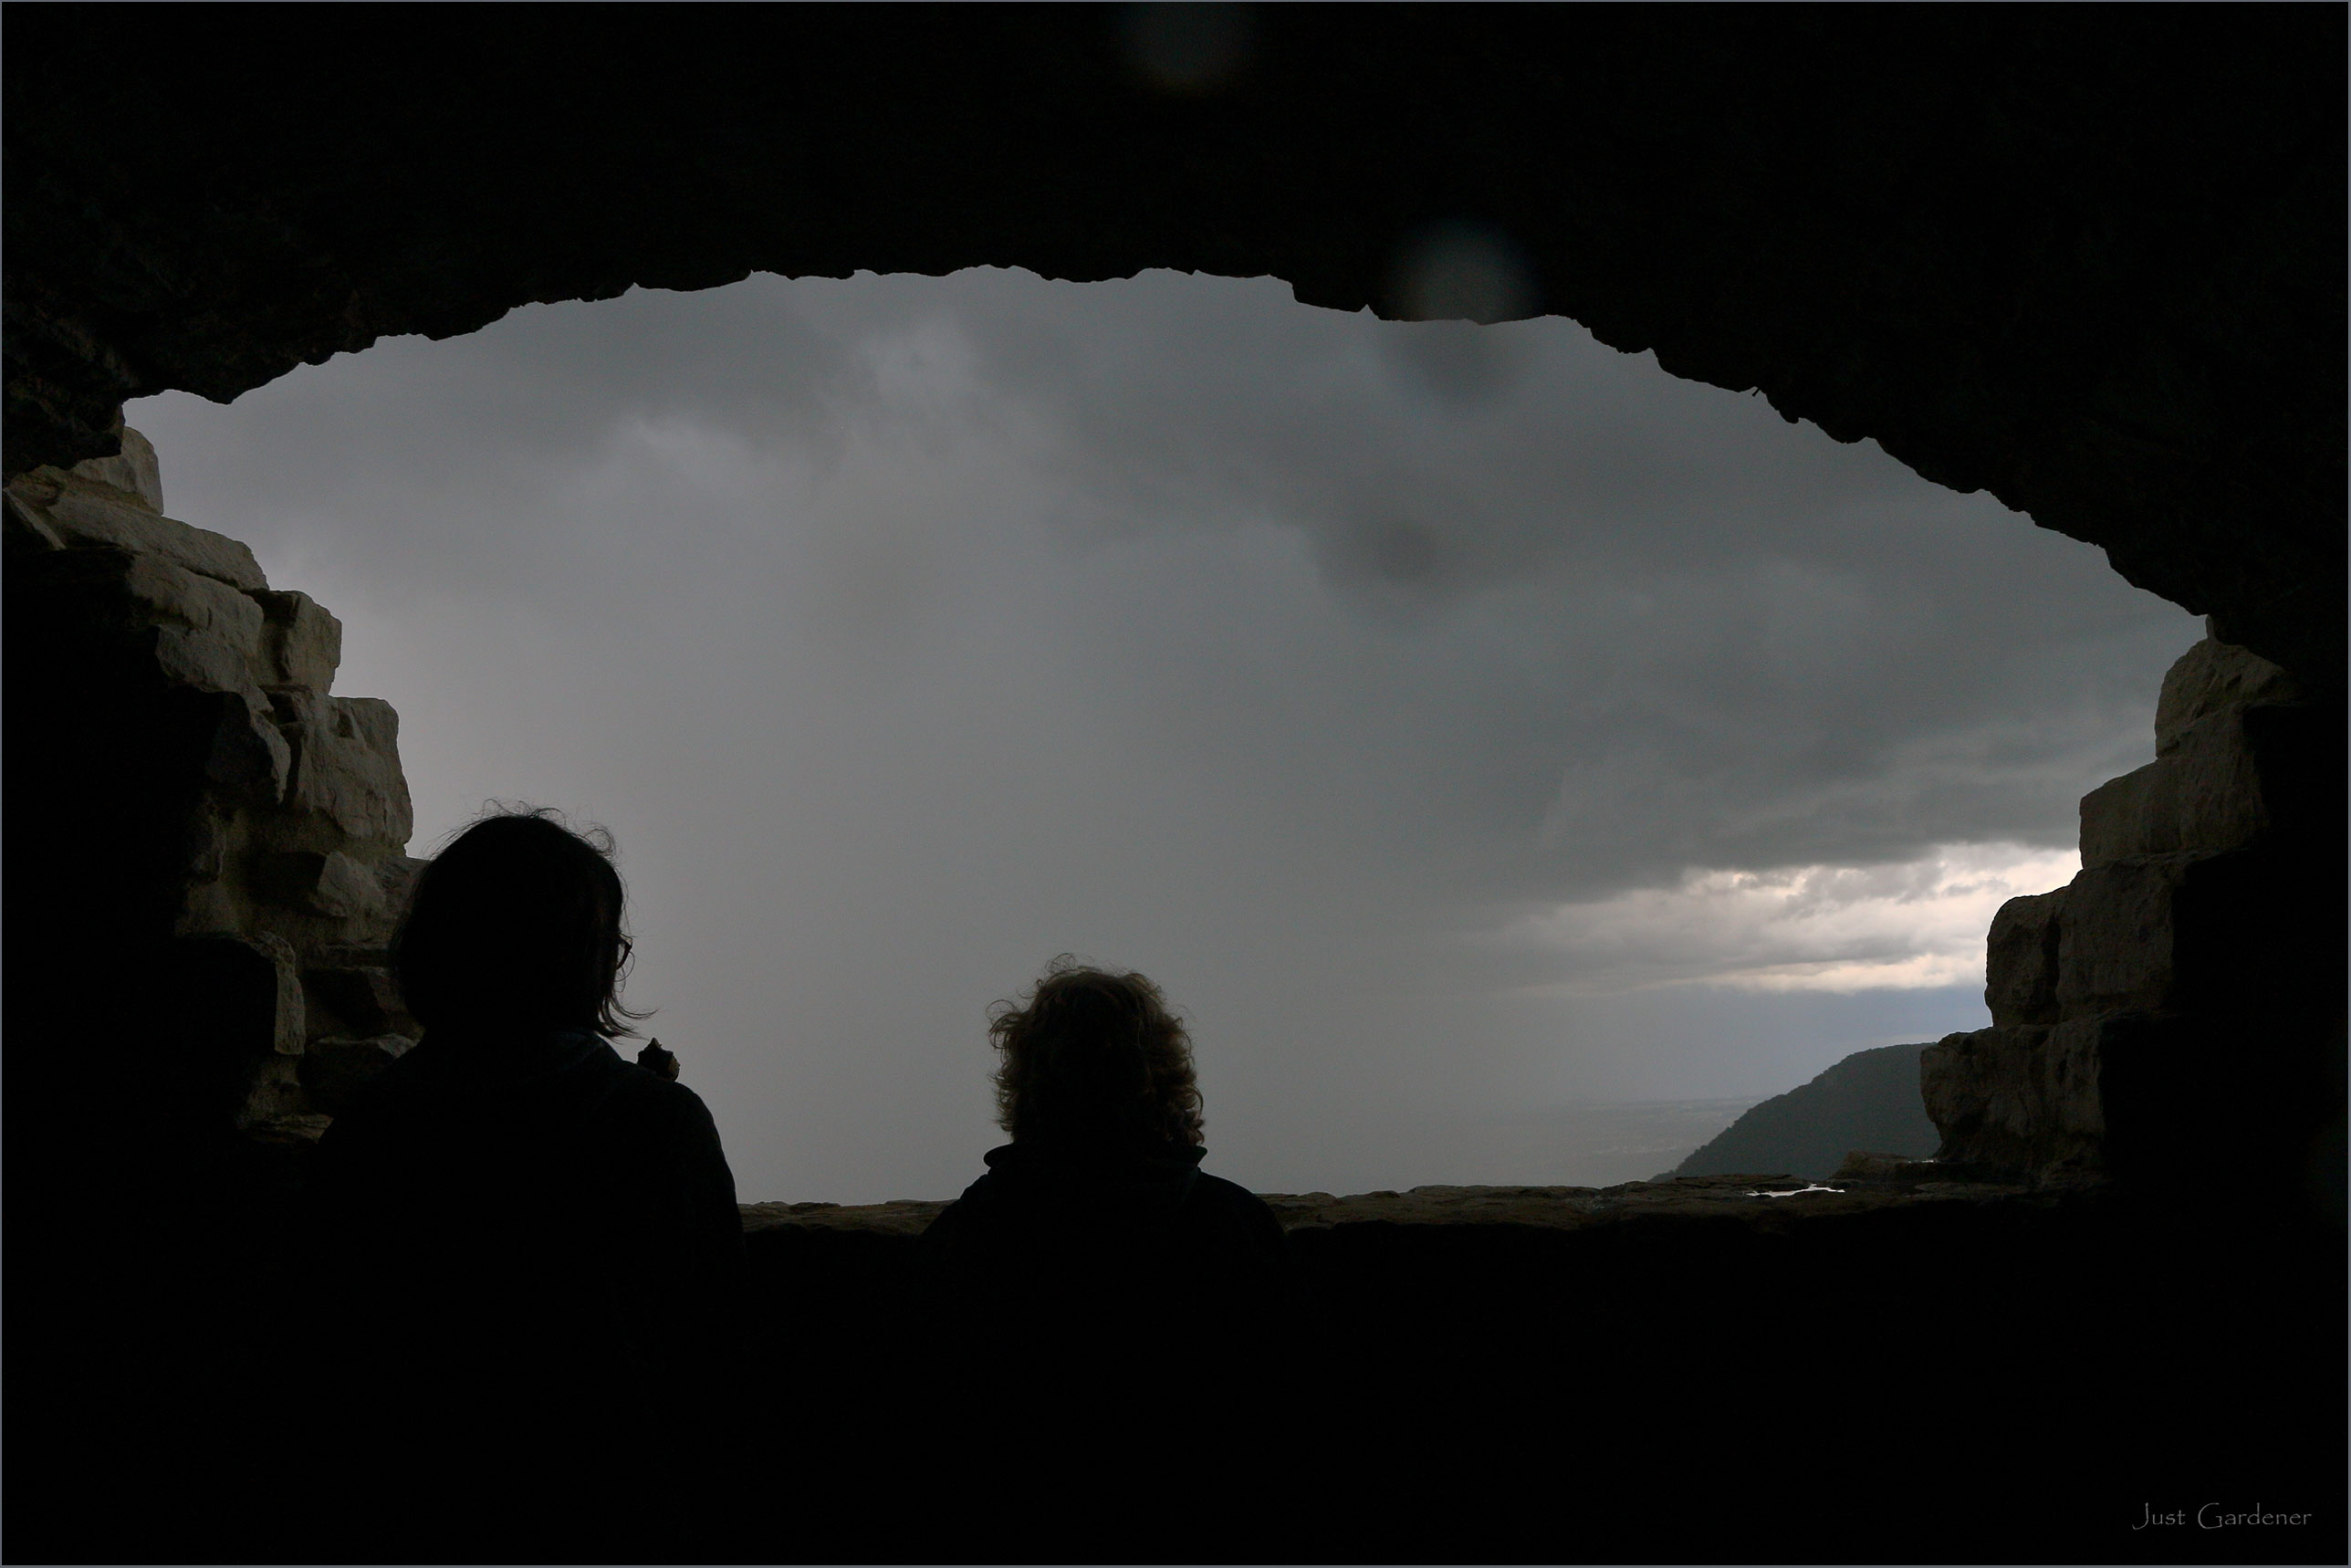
(208, 909)
(197, 659)
(198, 632)
(204, 851)
(169, 594)
(248, 760)
(350, 956)
(274, 1096)
(2227, 934)
(253, 976)
(2206, 793)
(2131, 815)
(286, 1039)
(295, 1128)
(397, 875)
(2218, 798)
(237, 1006)
(330, 882)
(27, 528)
(1981, 1091)
(345, 889)
(2014, 1098)
(2119, 938)
(354, 999)
(333, 1070)
(207, 635)
(2208, 788)
(2021, 960)
(2209, 678)
(135, 471)
(88, 514)
(2055, 1100)
(207, 904)
(125, 589)
(305, 643)
(347, 768)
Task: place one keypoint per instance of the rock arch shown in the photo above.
(2091, 262)
(2089, 259)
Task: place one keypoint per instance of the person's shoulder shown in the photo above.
(652, 1099)
(1233, 1197)
(975, 1210)
(981, 1197)
(1230, 1192)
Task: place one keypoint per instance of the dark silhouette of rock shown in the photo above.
(1973, 235)
(333, 1070)
(1870, 1101)
(2162, 1015)
(192, 700)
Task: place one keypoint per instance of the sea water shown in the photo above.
(1584, 1143)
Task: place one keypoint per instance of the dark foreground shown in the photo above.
(1905, 1371)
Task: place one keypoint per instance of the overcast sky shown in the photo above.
(1460, 722)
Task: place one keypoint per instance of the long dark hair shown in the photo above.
(1095, 1055)
(517, 922)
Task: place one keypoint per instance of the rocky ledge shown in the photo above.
(1765, 1200)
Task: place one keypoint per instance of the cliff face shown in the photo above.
(2176, 1010)
(235, 830)
(1869, 1101)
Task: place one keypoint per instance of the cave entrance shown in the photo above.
(2089, 261)
(1520, 760)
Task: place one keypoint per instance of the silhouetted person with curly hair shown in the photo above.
(530, 1245)
(1097, 1289)
(1098, 1206)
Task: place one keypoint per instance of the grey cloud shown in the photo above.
(908, 631)
(1456, 363)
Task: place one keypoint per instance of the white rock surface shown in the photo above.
(346, 770)
(135, 472)
(94, 515)
(305, 643)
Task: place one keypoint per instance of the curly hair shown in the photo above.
(1095, 1056)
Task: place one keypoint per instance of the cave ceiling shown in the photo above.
(2090, 259)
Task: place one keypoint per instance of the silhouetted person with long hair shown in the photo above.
(530, 1245)
(1098, 1300)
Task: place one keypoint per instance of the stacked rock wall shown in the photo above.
(2172, 1011)
(239, 830)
